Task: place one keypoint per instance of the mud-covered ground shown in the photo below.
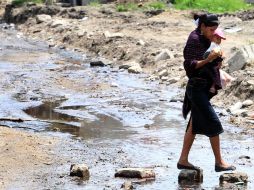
(105, 117)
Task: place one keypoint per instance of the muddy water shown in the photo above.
(104, 110)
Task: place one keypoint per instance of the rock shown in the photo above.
(242, 57)
(187, 176)
(147, 126)
(173, 100)
(141, 43)
(163, 73)
(153, 12)
(127, 185)
(251, 115)
(80, 170)
(165, 54)
(143, 181)
(250, 82)
(135, 68)
(43, 18)
(57, 23)
(163, 78)
(153, 78)
(51, 44)
(247, 103)
(107, 34)
(128, 65)
(228, 186)
(124, 66)
(8, 26)
(240, 112)
(97, 64)
(223, 113)
(56, 129)
(37, 30)
(114, 85)
(234, 177)
(173, 80)
(73, 13)
(81, 33)
(236, 106)
(135, 173)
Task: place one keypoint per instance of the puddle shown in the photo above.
(100, 126)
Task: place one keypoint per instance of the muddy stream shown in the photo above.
(113, 119)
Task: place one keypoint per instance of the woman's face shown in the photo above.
(208, 31)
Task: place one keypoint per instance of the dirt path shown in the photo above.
(24, 156)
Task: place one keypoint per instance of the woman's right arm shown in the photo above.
(192, 55)
(212, 55)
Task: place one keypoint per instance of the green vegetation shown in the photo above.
(126, 7)
(155, 5)
(213, 6)
(21, 2)
(94, 3)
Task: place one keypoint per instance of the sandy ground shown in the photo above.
(24, 156)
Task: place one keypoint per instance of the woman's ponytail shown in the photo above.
(206, 19)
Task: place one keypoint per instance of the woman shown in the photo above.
(203, 119)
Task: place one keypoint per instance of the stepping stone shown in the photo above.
(234, 177)
(190, 176)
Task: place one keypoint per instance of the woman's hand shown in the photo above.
(213, 55)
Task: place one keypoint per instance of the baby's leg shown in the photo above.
(212, 89)
(226, 76)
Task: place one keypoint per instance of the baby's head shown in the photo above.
(218, 35)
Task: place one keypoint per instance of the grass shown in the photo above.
(155, 5)
(21, 2)
(213, 6)
(94, 3)
(126, 7)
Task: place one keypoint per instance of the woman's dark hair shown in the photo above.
(207, 19)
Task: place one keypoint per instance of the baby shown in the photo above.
(213, 68)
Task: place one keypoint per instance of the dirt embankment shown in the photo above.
(141, 37)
